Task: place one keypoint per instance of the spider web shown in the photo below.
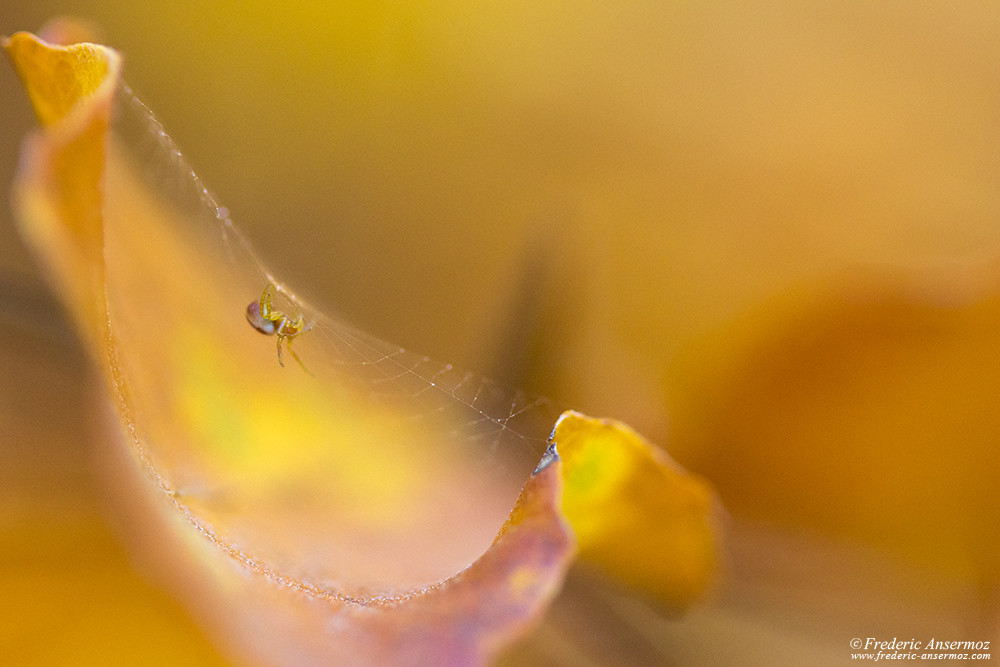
(502, 423)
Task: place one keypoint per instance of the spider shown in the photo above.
(270, 322)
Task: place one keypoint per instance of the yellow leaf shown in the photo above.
(351, 505)
(636, 513)
(58, 79)
(70, 159)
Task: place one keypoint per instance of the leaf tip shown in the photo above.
(636, 513)
(57, 78)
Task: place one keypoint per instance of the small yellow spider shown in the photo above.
(270, 322)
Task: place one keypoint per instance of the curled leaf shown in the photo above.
(630, 506)
(354, 507)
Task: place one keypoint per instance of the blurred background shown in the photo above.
(766, 236)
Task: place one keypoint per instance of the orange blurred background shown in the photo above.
(767, 237)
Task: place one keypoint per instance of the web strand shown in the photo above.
(476, 410)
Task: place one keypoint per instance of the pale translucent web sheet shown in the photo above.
(487, 414)
(384, 410)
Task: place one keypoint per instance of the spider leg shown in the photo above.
(265, 305)
(285, 329)
(289, 346)
(280, 362)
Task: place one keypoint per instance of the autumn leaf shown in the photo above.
(356, 506)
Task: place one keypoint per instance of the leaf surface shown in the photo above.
(359, 507)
